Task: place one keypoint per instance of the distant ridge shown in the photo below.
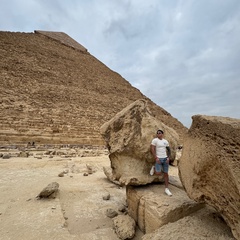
(63, 38)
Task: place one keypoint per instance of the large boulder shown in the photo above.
(210, 166)
(128, 136)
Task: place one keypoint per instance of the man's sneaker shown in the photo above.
(152, 171)
(167, 191)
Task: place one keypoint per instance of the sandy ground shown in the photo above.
(78, 212)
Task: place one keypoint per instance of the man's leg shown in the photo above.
(158, 169)
(166, 178)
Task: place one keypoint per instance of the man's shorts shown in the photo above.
(163, 166)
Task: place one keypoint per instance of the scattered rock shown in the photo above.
(111, 213)
(124, 226)
(23, 154)
(106, 197)
(61, 174)
(90, 169)
(6, 156)
(49, 191)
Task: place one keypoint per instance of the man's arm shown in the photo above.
(168, 152)
(153, 150)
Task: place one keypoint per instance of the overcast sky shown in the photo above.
(182, 54)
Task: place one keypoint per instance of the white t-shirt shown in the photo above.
(160, 147)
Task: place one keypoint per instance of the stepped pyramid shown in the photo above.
(53, 91)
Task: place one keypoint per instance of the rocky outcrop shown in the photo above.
(210, 166)
(128, 137)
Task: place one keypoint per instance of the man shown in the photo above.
(161, 153)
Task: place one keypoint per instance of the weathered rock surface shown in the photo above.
(151, 208)
(124, 226)
(210, 166)
(128, 136)
(205, 224)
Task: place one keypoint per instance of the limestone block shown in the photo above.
(205, 224)
(210, 166)
(151, 208)
(128, 136)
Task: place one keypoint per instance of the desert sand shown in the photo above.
(79, 210)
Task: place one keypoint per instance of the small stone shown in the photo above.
(122, 208)
(106, 197)
(49, 191)
(111, 213)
